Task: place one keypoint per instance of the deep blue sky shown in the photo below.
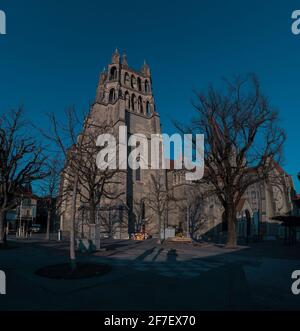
(54, 50)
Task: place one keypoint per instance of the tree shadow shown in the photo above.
(172, 255)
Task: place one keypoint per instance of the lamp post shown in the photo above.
(20, 220)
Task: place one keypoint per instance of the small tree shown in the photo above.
(243, 140)
(50, 190)
(158, 199)
(66, 137)
(141, 219)
(21, 162)
(192, 205)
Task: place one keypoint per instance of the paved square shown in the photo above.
(146, 276)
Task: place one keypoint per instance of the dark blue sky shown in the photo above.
(54, 50)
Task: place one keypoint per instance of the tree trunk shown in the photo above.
(48, 224)
(73, 224)
(2, 229)
(94, 227)
(92, 214)
(231, 219)
(159, 230)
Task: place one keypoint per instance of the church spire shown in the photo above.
(124, 60)
(146, 69)
(116, 57)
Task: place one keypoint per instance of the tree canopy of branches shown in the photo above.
(95, 185)
(21, 162)
(243, 140)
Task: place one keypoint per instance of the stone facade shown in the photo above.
(260, 203)
(124, 98)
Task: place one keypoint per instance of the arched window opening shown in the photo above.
(147, 86)
(138, 172)
(148, 109)
(112, 95)
(139, 84)
(127, 79)
(133, 82)
(113, 73)
(127, 100)
(133, 101)
(140, 105)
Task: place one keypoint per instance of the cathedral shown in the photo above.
(124, 97)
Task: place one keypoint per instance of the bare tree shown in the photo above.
(243, 140)
(157, 200)
(192, 206)
(66, 137)
(141, 219)
(82, 181)
(21, 162)
(96, 186)
(50, 190)
(111, 220)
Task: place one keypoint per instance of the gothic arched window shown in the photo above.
(133, 82)
(127, 100)
(126, 79)
(147, 86)
(112, 95)
(148, 109)
(133, 101)
(139, 84)
(140, 105)
(138, 172)
(113, 73)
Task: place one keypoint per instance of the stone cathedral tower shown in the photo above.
(124, 98)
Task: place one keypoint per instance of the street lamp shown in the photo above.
(20, 216)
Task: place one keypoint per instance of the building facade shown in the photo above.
(24, 215)
(124, 98)
(198, 214)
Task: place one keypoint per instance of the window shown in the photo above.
(147, 87)
(138, 172)
(133, 101)
(26, 202)
(133, 82)
(140, 105)
(126, 79)
(139, 84)
(112, 95)
(148, 109)
(127, 100)
(113, 73)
